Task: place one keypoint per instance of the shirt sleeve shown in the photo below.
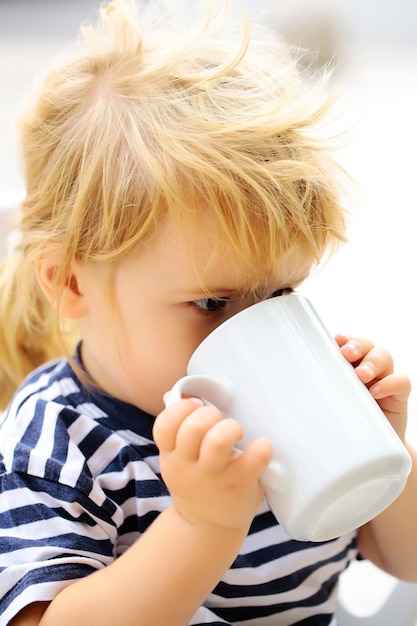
(50, 536)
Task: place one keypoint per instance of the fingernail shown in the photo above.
(367, 368)
(353, 348)
(375, 390)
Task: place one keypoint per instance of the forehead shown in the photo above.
(195, 260)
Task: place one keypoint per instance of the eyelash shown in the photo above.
(277, 293)
(214, 305)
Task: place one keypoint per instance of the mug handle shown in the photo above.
(219, 392)
(213, 390)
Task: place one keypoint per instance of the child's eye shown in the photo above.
(209, 305)
(280, 292)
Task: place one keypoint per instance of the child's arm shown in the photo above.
(389, 540)
(168, 573)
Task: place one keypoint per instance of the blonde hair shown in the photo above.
(152, 118)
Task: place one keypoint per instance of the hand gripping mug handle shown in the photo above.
(219, 392)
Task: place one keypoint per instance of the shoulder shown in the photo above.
(48, 417)
(57, 430)
(53, 380)
(50, 392)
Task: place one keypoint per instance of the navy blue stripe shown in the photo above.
(137, 524)
(100, 548)
(315, 620)
(271, 552)
(54, 366)
(280, 584)
(59, 454)
(263, 521)
(27, 514)
(138, 489)
(128, 454)
(64, 493)
(68, 416)
(53, 573)
(239, 614)
(93, 441)
(85, 481)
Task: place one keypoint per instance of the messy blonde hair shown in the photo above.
(157, 114)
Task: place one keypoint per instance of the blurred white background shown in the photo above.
(368, 287)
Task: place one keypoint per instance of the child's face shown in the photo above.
(139, 347)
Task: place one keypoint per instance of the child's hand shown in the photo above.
(375, 368)
(211, 484)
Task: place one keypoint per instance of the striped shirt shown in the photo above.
(80, 482)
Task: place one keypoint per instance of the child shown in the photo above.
(173, 179)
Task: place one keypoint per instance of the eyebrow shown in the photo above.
(219, 292)
(236, 292)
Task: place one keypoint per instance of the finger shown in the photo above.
(392, 393)
(218, 445)
(342, 339)
(167, 423)
(356, 348)
(256, 457)
(194, 429)
(377, 364)
(395, 386)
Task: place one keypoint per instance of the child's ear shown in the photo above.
(71, 304)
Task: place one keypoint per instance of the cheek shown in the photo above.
(152, 344)
(154, 364)
(166, 350)
(169, 347)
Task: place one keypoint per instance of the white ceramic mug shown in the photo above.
(275, 368)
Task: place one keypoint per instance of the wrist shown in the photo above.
(209, 528)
